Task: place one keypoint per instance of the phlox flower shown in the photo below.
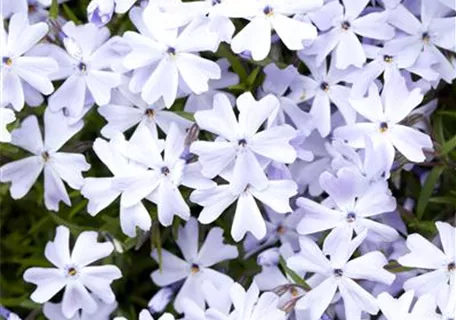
(385, 113)
(35, 9)
(218, 301)
(399, 309)
(278, 82)
(338, 274)
(53, 311)
(271, 278)
(85, 64)
(204, 101)
(247, 216)
(57, 166)
(196, 268)
(99, 12)
(440, 281)
(425, 36)
(251, 305)
(73, 273)
(209, 14)
(128, 110)
(102, 191)
(368, 162)
(389, 64)
(324, 87)
(344, 23)
(19, 68)
(354, 202)
(239, 147)
(162, 64)
(268, 15)
(161, 183)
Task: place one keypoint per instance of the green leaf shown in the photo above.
(448, 146)
(252, 76)
(54, 10)
(427, 190)
(293, 275)
(444, 200)
(70, 14)
(234, 61)
(59, 220)
(186, 115)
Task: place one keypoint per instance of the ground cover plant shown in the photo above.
(228, 159)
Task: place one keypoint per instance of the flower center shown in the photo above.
(338, 272)
(268, 11)
(165, 171)
(451, 266)
(281, 230)
(388, 58)
(45, 155)
(215, 2)
(195, 268)
(150, 113)
(242, 142)
(71, 271)
(294, 292)
(351, 216)
(345, 25)
(383, 127)
(324, 86)
(32, 8)
(171, 51)
(7, 60)
(426, 37)
(82, 67)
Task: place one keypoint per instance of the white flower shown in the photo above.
(101, 191)
(399, 309)
(354, 203)
(18, 68)
(57, 166)
(338, 274)
(324, 87)
(385, 113)
(278, 82)
(240, 147)
(85, 64)
(99, 12)
(36, 9)
(161, 184)
(389, 64)
(440, 281)
(162, 65)
(130, 110)
(53, 311)
(247, 216)
(73, 273)
(195, 269)
(345, 23)
(425, 36)
(251, 305)
(209, 14)
(268, 15)
(7, 116)
(204, 101)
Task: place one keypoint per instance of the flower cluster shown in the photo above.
(272, 129)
